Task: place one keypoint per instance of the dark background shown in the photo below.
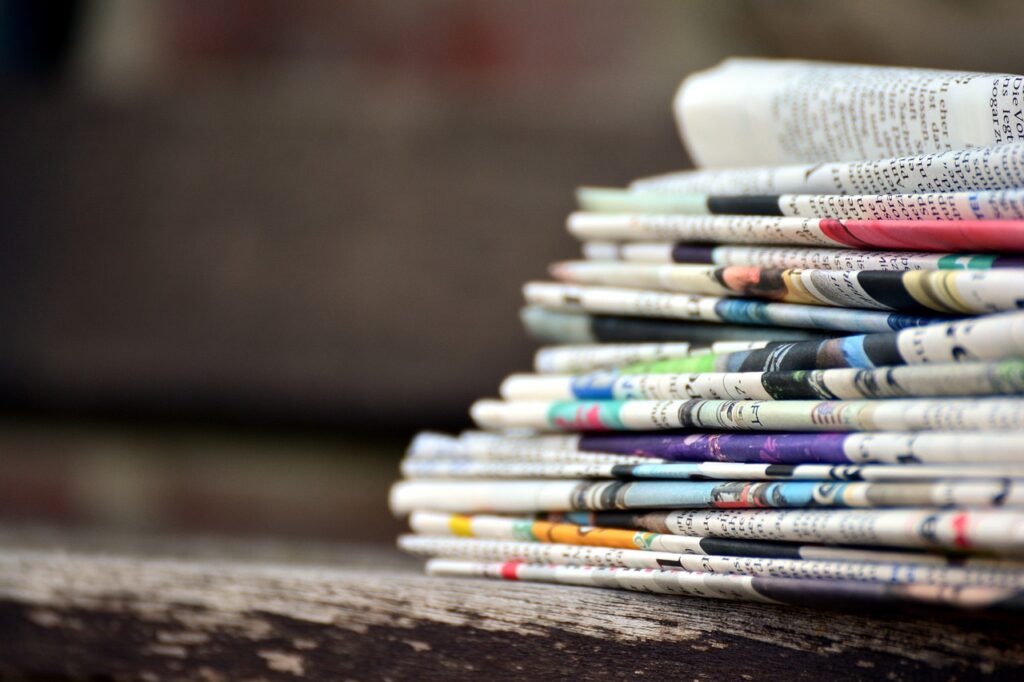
(250, 246)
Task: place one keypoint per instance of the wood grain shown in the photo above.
(77, 609)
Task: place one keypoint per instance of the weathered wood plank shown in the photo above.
(86, 613)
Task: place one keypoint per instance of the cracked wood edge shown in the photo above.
(182, 619)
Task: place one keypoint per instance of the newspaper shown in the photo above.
(428, 448)
(461, 468)
(573, 359)
(788, 257)
(977, 339)
(525, 529)
(583, 357)
(714, 428)
(980, 168)
(919, 381)
(945, 291)
(640, 224)
(735, 587)
(1005, 206)
(999, 531)
(891, 447)
(647, 303)
(552, 326)
(920, 414)
(766, 112)
(518, 496)
(583, 555)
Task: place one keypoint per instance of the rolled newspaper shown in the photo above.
(905, 572)
(919, 414)
(646, 303)
(918, 381)
(921, 292)
(1000, 531)
(641, 224)
(887, 447)
(1004, 208)
(735, 587)
(457, 469)
(786, 257)
(768, 111)
(520, 496)
(989, 337)
(977, 168)
(523, 529)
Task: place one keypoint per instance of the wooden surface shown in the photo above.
(97, 606)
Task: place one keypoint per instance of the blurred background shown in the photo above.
(249, 247)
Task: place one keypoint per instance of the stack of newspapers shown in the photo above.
(792, 375)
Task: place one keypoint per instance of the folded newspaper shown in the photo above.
(793, 375)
